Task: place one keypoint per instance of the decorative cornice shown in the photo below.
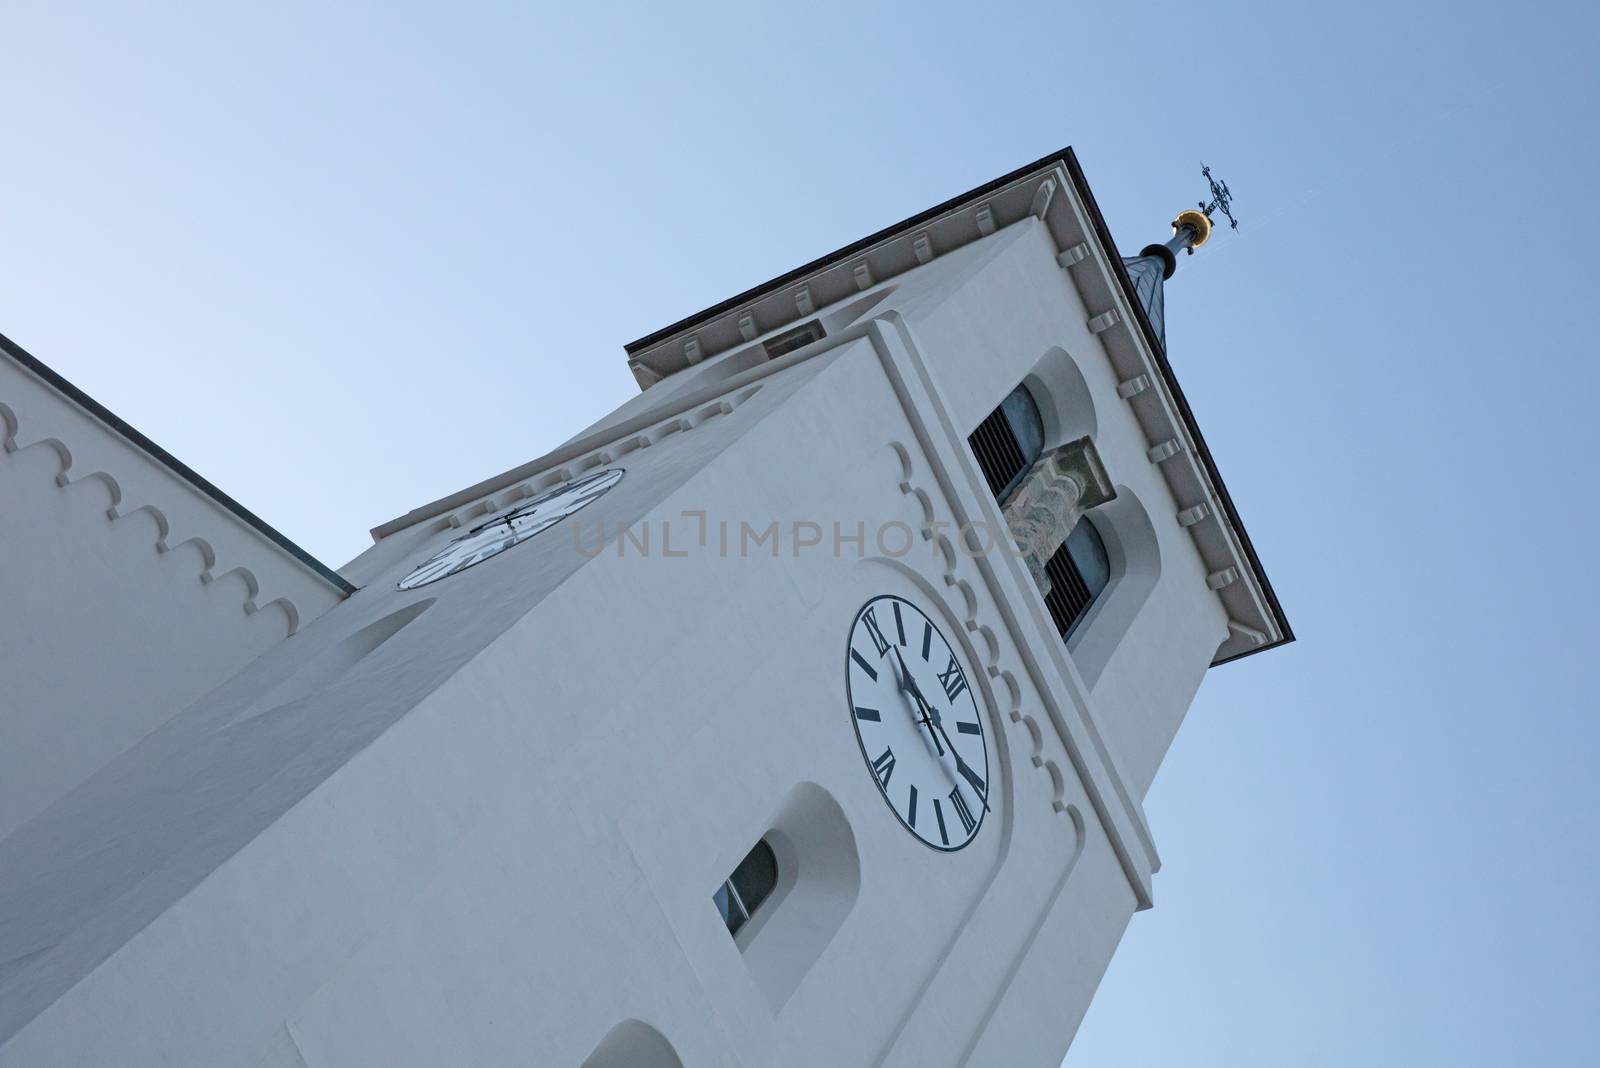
(55, 381)
(659, 420)
(1225, 543)
(115, 511)
(89, 461)
(532, 479)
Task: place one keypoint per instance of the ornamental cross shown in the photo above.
(1221, 199)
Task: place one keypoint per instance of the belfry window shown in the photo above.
(749, 885)
(1008, 442)
(1078, 571)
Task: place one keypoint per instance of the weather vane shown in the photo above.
(1191, 228)
(1221, 199)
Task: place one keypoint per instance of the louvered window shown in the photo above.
(1008, 442)
(1078, 571)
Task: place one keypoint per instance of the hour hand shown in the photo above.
(903, 674)
(908, 685)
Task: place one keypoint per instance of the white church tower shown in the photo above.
(796, 713)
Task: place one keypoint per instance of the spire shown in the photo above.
(1156, 263)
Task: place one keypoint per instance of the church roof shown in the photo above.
(161, 456)
(1028, 190)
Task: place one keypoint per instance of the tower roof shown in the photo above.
(1148, 273)
(1257, 620)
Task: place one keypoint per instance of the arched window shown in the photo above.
(633, 1044)
(1008, 442)
(749, 885)
(1079, 570)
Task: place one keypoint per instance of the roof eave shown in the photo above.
(712, 320)
(1202, 451)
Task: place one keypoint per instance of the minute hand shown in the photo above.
(966, 771)
(935, 723)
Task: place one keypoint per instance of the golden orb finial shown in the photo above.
(1196, 221)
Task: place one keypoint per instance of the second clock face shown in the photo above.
(495, 536)
(919, 723)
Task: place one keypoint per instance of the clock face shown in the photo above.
(496, 535)
(918, 722)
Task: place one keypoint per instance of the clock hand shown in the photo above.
(926, 722)
(931, 719)
(935, 724)
(918, 715)
(902, 677)
(916, 691)
(909, 685)
(965, 769)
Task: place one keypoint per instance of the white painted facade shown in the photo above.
(481, 821)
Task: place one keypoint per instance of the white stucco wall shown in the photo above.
(481, 822)
(126, 594)
(999, 324)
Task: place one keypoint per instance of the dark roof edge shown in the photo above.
(839, 254)
(1103, 231)
(177, 466)
(1069, 159)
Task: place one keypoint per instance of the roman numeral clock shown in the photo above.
(918, 722)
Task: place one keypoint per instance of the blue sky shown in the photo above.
(344, 260)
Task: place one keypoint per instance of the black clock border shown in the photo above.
(855, 725)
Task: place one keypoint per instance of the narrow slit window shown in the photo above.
(789, 340)
(1008, 442)
(751, 883)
